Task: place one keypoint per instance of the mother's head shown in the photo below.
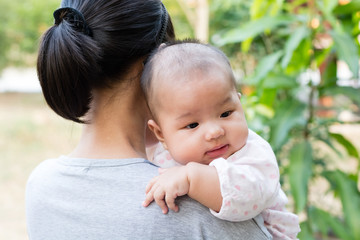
(92, 45)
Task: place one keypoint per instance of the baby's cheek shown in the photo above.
(185, 153)
(240, 136)
(182, 158)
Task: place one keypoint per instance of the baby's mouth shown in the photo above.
(218, 151)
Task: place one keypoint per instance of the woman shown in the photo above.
(89, 67)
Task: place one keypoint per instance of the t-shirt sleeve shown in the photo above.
(249, 180)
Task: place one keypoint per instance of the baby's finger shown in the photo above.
(170, 202)
(150, 185)
(148, 199)
(159, 196)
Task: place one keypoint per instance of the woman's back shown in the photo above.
(101, 199)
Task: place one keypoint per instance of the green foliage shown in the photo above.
(344, 185)
(4, 41)
(183, 28)
(345, 49)
(300, 172)
(296, 46)
(287, 53)
(251, 29)
(288, 114)
(21, 25)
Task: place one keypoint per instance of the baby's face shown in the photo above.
(201, 119)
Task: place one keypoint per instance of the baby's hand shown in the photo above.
(165, 188)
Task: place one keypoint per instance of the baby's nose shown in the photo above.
(214, 132)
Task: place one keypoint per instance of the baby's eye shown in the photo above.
(226, 114)
(192, 125)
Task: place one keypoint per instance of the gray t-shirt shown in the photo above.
(75, 199)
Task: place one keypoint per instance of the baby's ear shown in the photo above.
(155, 128)
(239, 95)
(162, 45)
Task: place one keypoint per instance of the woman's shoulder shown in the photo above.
(43, 168)
(41, 182)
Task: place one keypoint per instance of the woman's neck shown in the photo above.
(117, 125)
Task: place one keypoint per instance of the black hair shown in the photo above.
(183, 59)
(72, 62)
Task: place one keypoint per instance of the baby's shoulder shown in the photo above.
(256, 140)
(256, 147)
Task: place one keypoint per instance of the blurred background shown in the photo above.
(297, 66)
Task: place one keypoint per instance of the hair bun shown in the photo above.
(74, 17)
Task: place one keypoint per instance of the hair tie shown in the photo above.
(74, 17)
(164, 23)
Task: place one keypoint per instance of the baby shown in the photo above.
(204, 142)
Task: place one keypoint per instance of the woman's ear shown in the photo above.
(155, 128)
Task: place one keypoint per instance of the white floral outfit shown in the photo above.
(249, 182)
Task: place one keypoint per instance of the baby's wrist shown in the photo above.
(192, 169)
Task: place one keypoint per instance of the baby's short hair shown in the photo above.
(180, 57)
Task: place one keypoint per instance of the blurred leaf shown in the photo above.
(268, 97)
(287, 115)
(350, 148)
(301, 58)
(264, 110)
(328, 5)
(276, 7)
(350, 92)
(329, 143)
(347, 51)
(329, 71)
(278, 81)
(251, 29)
(245, 46)
(306, 233)
(258, 9)
(319, 221)
(350, 8)
(299, 173)
(265, 65)
(350, 199)
(323, 55)
(324, 221)
(292, 44)
(292, 6)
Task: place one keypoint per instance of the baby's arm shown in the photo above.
(198, 181)
(235, 189)
(249, 180)
(239, 188)
(247, 187)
